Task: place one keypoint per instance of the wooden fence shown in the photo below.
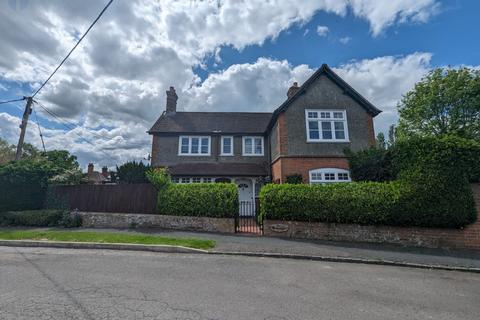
(121, 198)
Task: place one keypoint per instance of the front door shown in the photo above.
(245, 197)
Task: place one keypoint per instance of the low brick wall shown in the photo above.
(467, 238)
(127, 220)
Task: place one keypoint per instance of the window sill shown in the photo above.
(328, 141)
(253, 155)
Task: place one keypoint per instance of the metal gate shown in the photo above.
(247, 219)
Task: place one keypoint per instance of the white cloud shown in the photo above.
(118, 76)
(345, 40)
(322, 31)
(383, 14)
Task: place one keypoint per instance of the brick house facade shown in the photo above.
(307, 135)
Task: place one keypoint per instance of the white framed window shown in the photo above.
(185, 180)
(253, 146)
(226, 146)
(175, 180)
(326, 175)
(207, 180)
(326, 125)
(196, 180)
(194, 146)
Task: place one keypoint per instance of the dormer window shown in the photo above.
(194, 146)
(326, 125)
(253, 146)
(227, 146)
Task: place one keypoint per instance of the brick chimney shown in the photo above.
(171, 100)
(105, 172)
(292, 90)
(90, 168)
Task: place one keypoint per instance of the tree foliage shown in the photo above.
(132, 172)
(445, 102)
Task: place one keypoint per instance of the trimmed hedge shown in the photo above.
(452, 154)
(33, 218)
(397, 203)
(216, 200)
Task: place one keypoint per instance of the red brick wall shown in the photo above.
(286, 166)
(467, 238)
(371, 131)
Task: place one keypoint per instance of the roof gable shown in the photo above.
(325, 70)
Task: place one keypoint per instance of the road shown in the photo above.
(41, 283)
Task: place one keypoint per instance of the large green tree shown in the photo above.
(444, 102)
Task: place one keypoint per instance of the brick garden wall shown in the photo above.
(467, 238)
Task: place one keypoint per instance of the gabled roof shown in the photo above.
(325, 70)
(207, 122)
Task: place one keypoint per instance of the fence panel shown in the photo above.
(122, 198)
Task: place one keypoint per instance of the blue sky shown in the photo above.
(230, 55)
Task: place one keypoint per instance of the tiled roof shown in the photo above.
(205, 122)
(219, 169)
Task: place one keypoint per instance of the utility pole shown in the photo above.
(23, 127)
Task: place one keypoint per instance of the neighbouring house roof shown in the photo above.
(218, 169)
(206, 122)
(96, 177)
(325, 70)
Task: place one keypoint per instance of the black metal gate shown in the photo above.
(247, 219)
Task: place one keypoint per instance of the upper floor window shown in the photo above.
(326, 175)
(194, 146)
(227, 146)
(253, 146)
(326, 125)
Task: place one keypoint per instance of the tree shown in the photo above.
(392, 135)
(7, 152)
(380, 141)
(445, 102)
(132, 172)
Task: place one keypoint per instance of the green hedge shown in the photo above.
(397, 203)
(17, 197)
(33, 218)
(217, 200)
(455, 155)
(40, 218)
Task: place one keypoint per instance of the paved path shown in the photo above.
(41, 283)
(239, 243)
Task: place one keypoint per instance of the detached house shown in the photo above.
(306, 135)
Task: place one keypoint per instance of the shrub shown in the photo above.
(400, 203)
(23, 184)
(217, 200)
(372, 164)
(32, 218)
(159, 177)
(294, 179)
(449, 154)
(132, 172)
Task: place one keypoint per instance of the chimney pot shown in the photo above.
(90, 168)
(171, 100)
(105, 172)
(292, 90)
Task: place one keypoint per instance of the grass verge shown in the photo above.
(105, 237)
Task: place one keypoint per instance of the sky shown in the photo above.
(231, 55)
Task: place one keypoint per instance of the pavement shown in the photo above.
(328, 249)
(47, 283)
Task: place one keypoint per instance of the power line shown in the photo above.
(60, 119)
(39, 130)
(15, 100)
(74, 47)
(71, 129)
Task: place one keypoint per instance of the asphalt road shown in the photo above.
(38, 283)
